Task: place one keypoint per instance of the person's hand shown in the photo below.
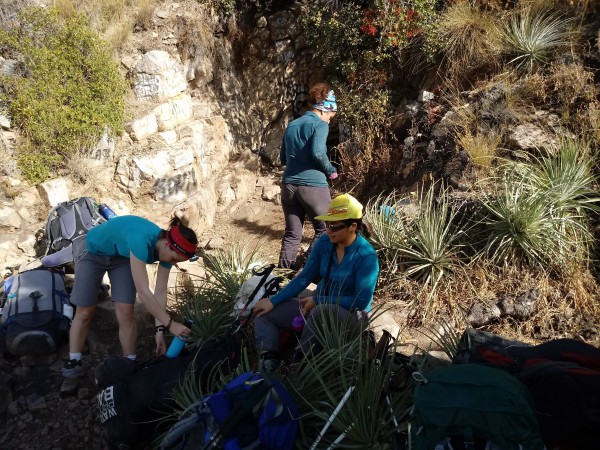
(180, 330)
(262, 307)
(333, 175)
(306, 304)
(161, 347)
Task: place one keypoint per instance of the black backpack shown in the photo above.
(563, 377)
(37, 313)
(133, 402)
(67, 225)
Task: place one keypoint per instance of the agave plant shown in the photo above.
(533, 37)
(434, 250)
(390, 228)
(227, 269)
(345, 397)
(209, 308)
(568, 177)
(539, 215)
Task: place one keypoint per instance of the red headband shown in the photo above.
(180, 244)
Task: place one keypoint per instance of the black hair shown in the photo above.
(187, 233)
(362, 226)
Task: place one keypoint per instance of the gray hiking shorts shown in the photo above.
(90, 270)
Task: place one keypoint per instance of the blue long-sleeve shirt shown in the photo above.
(304, 152)
(351, 282)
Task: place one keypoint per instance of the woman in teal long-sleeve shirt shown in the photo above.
(348, 266)
(305, 190)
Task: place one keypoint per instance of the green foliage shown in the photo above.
(533, 38)
(69, 92)
(539, 215)
(424, 244)
(210, 306)
(328, 32)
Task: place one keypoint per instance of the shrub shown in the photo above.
(70, 90)
(539, 216)
(533, 37)
(423, 244)
(468, 39)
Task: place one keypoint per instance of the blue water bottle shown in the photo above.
(106, 212)
(175, 348)
(177, 345)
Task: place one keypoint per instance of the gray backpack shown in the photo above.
(37, 313)
(66, 227)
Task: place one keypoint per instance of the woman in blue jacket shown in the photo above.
(304, 189)
(122, 247)
(348, 266)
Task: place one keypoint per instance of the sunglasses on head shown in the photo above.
(331, 227)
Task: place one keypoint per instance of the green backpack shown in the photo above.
(472, 405)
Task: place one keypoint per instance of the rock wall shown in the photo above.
(202, 118)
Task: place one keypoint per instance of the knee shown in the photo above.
(84, 315)
(126, 316)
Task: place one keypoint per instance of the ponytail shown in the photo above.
(362, 227)
(187, 233)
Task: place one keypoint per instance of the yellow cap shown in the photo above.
(341, 208)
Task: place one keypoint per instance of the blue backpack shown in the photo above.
(250, 412)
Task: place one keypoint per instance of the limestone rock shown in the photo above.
(9, 218)
(174, 112)
(142, 127)
(54, 191)
(157, 76)
(271, 194)
(528, 136)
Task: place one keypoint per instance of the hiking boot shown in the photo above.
(73, 369)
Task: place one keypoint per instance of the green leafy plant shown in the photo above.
(533, 37)
(539, 216)
(343, 376)
(68, 91)
(434, 247)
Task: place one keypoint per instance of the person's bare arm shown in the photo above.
(150, 301)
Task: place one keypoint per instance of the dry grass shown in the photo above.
(481, 147)
(572, 85)
(144, 13)
(567, 307)
(530, 89)
(588, 121)
(470, 39)
(195, 37)
(113, 19)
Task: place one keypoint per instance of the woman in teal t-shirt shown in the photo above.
(122, 247)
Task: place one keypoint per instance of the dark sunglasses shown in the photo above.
(331, 227)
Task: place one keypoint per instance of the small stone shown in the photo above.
(83, 393)
(36, 402)
(68, 387)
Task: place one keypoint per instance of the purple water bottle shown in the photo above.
(106, 212)
(298, 324)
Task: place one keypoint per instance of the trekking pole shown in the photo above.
(334, 414)
(341, 437)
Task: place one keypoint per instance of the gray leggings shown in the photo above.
(299, 202)
(267, 327)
